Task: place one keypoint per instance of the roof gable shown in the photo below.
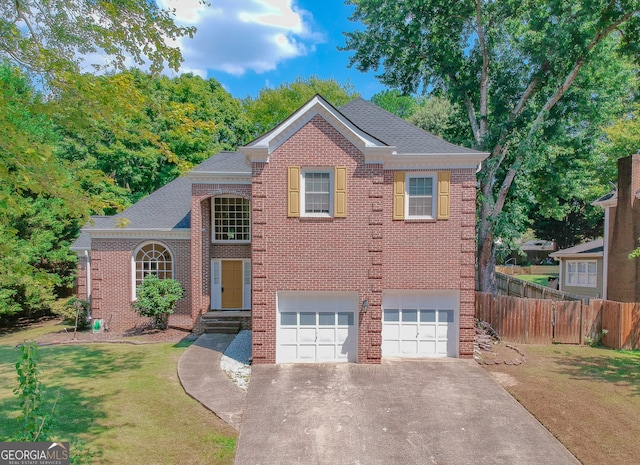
(261, 148)
(382, 137)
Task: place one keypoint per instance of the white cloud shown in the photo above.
(235, 36)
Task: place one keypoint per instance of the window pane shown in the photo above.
(345, 318)
(428, 316)
(420, 186)
(420, 206)
(288, 318)
(307, 319)
(445, 316)
(410, 315)
(327, 319)
(231, 219)
(391, 315)
(316, 192)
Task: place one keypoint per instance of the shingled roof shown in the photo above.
(169, 207)
(394, 131)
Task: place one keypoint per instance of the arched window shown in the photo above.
(152, 258)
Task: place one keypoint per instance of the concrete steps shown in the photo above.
(223, 322)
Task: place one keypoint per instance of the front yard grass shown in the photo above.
(541, 279)
(122, 401)
(589, 398)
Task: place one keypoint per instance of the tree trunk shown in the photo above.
(486, 247)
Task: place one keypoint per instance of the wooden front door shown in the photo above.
(232, 284)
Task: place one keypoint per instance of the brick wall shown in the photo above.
(365, 252)
(203, 251)
(624, 274)
(112, 281)
(81, 279)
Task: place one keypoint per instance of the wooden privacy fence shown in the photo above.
(537, 321)
(514, 286)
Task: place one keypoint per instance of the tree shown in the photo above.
(157, 298)
(157, 128)
(508, 64)
(396, 102)
(272, 106)
(51, 38)
(41, 203)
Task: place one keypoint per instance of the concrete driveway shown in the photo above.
(444, 411)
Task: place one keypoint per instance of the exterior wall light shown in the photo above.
(365, 306)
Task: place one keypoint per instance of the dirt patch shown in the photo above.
(500, 353)
(588, 398)
(141, 335)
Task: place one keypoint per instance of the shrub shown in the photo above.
(157, 298)
(72, 310)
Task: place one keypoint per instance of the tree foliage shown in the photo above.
(272, 106)
(157, 128)
(53, 38)
(507, 64)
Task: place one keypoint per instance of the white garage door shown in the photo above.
(317, 327)
(420, 324)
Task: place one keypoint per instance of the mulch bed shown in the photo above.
(141, 335)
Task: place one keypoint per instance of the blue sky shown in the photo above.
(250, 44)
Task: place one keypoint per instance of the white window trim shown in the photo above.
(303, 172)
(133, 264)
(434, 195)
(576, 273)
(213, 221)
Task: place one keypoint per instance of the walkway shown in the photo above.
(203, 379)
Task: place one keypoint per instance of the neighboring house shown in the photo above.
(621, 278)
(349, 234)
(536, 252)
(582, 269)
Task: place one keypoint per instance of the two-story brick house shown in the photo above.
(349, 234)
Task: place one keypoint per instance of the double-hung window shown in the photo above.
(421, 195)
(317, 192)
(582, 273)
(420, 199)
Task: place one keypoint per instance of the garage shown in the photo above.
(316, 327)
(420, 324)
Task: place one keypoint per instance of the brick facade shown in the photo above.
(624, 275)
(112, 282)
(366, 252)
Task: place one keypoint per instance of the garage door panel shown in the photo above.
(427, 348)
(420, 324)
(427, 332)
(408, 347)
(322, 326)
(408, 331)
(326, 335)
(288, 335)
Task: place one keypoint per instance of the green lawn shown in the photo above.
(541, 279)
(122, 401)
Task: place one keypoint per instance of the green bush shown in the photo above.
(72, 308)
(157, 298)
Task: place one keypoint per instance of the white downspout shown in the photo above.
(88, 256)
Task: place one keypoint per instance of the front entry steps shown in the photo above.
(225, 322)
